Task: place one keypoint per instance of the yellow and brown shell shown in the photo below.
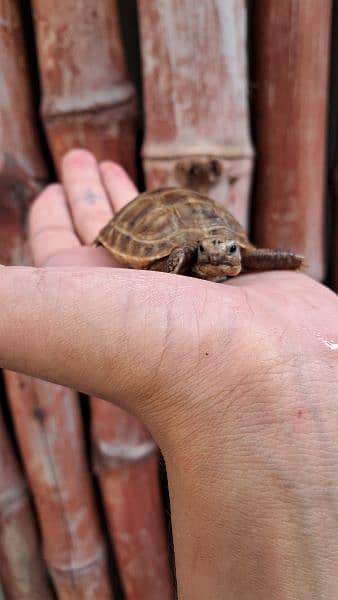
(154, 223)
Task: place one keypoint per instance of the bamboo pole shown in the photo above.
(334, 249)
(195, 89)
(87, 98)
(126, 461)
(130, 483)
(49, 431)
(21, 165)
(22, 570)
(291, 60)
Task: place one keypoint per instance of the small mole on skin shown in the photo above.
(207, 354)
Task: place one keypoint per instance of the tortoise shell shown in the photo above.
(154, 223)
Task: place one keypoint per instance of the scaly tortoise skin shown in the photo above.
(181, 231)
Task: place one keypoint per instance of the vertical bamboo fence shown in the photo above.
(22, 571)
(87, 97)
(55, 539)
(56, 467)
(90, 102)
(22, 168)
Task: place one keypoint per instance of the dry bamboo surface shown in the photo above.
(291, 59)
(18, 122)
(195, 88)
(21, 165)
(126, 461)
(49, 431)
(22, 569)
(21, 171)
(87, 98)
(334, 257)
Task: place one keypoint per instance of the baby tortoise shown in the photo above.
(181, 231)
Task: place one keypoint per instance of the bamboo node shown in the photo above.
(89, 103)
(78, 568)
(178, 150)
(198, 173)
(113, 455)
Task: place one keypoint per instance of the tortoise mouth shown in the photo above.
(210, 271)
(232, 270)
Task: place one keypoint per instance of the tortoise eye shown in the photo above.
(201, 247)
(233, 248)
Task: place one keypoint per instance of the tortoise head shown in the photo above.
(217, 259)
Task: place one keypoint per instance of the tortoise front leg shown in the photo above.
(179, 261)
(264, 259)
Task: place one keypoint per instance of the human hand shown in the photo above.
(238, 384)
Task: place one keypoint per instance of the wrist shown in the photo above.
(256, 489)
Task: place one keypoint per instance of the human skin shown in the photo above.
(237, 382)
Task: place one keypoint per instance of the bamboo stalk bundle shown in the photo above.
(87, 98)
(21, 172)
(291, 59)
(195, 88)
(86, 94)
(126, 461)
(49, 432)
(22, 569)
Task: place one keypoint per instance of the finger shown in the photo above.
(50, 226)
(119, 186)
(88, 202)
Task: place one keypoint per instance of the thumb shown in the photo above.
(110, 333)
